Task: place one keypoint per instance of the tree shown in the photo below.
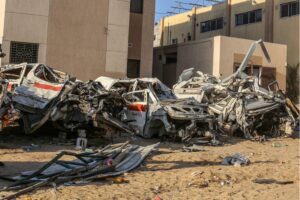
(292, 82)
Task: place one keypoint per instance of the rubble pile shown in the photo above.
(33, 94)
(198, 106)
(240, 103)
(110, 161)
(153, 110)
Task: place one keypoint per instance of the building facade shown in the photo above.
(275, 21)
(84, 38)
(219, 56)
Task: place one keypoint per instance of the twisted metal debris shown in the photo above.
(110, 161)
(33, 94)
(241, 105)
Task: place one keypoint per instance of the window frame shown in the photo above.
(289, 9)
(209, 24)
(245, 17)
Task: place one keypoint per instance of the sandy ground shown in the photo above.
(171, 173)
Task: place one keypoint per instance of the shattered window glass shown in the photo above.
(163, 92)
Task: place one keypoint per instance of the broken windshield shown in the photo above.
(162, 92)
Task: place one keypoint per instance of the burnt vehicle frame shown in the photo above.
(153, 110)
(240, 103)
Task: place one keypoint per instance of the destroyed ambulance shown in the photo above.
(153, 110)
(240, 103)
(33, 94)
(28, 92)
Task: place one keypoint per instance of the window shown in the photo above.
(205, 26)
(220, 23)
(23, 52)
(212, 25)
(248, 17)
(251, 70)
(239, 19)
(189, 37)
(252, 17)
(289, 9)
(174, 41)
(136, 6)
(258, 15)
(245, 18)
(284, 10)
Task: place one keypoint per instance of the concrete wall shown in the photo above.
(89, 38)
(26, 21)
(177, 27)
(198, 54)
(117, 36)
(147, 38)
(77, 37)
(286, 31)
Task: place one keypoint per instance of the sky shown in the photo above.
(164, 6)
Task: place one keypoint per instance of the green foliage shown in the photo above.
(292, 82)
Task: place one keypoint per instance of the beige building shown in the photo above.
(220, 56)
(84, 38)
(275, 21)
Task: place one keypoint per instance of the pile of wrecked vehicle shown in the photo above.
(198, 108)
(239, 103)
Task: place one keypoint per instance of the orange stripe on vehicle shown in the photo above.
(47, 87)
(138, 107)
(9, 86)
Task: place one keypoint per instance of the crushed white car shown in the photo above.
(153, 110)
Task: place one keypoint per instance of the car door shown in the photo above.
(14, 74)
(137, 111)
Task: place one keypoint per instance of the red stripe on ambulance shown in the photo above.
(137, 107)
(47, 87)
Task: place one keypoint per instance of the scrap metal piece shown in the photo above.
(87, 167)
